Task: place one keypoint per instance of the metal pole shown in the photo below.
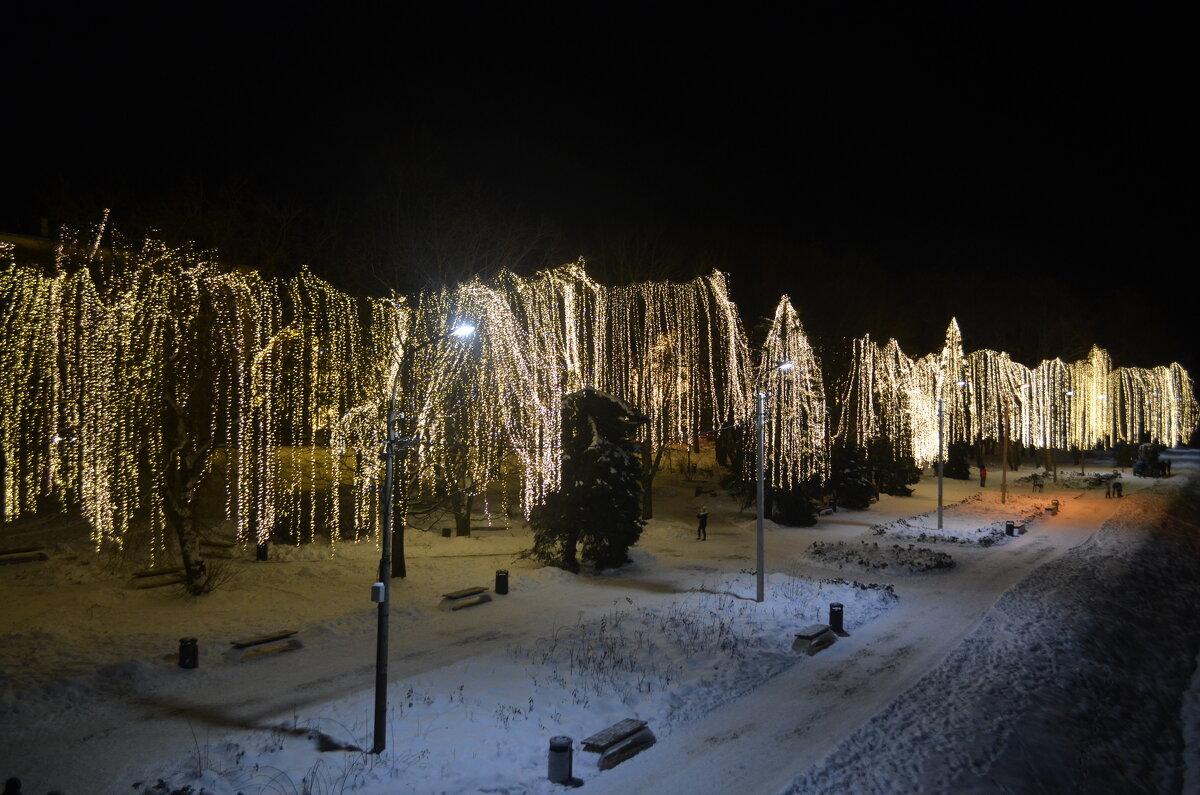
(759, 417)
(1004, 463)
(941, 460)
(385, 572)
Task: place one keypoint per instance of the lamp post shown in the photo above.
(941, 455)
(760, 417)
(383, 587)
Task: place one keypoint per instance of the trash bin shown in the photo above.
(835, 617)
(501, 580)
(189, 653)
(558, 768)
(1010, 528)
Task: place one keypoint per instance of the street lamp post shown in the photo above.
(941, 457)
(387, 570)
(760, 422)
(941, 467)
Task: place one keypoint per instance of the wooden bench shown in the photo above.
(255, 652)
(467, 597)
(22, 555)
(264, 645)
(157, 578)
(464, 593)
(621, 741)
(474, 600)
(813, 639)
(258, 640)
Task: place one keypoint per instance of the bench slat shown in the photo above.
(477, 600)
(246, 642)
(465, 592)
(602, 740)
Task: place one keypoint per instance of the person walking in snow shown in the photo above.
(1108, 490)
(982, 477)
(702, 528)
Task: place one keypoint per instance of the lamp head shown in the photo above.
(463, 330)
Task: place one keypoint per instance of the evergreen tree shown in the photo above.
(598, 503)
(797, 506)
(893, 473)
(958, 462)
(850, 478)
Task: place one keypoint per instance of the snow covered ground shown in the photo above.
(1053, 660)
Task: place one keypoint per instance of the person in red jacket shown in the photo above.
(982, 476)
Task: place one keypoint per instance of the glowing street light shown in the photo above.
(759, 417)
(383, 588)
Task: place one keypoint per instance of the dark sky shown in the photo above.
(1025, 166)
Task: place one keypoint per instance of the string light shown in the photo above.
(1054, 405)
(294, 378)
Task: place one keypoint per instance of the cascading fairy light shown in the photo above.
(91, 365)
(1054, 405)
(293, 388)
(795, 437)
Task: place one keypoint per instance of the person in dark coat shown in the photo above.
(702, 528)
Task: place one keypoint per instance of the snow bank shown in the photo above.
(971, 521)
(483, 724)
(1071, 682)
(869, 556)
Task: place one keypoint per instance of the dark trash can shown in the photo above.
(189, 653)
(502, 581)
(835, 617)
(558, 768)
(1010, 528)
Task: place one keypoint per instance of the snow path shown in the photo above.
(1072, 682)
(758, 743)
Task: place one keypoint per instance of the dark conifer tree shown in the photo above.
(893, 472)
(958, 462)
(598, 502)
(850, 479)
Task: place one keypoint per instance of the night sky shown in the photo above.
(1025, 166)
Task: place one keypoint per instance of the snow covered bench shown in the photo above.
(467, 597)
(22, 555)
(263, 645)
(813, 639)
(621, 741)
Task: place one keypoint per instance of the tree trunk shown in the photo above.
(648, 473)
(186, 464)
